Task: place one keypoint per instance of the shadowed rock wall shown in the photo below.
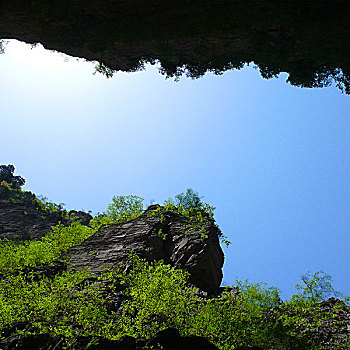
(308, 39)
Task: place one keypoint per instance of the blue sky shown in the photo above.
(274, 159)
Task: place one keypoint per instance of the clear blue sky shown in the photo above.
(274, 159)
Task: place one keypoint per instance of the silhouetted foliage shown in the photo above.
(307, 39)
(6, 174)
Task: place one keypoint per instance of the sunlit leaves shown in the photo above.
(19, 255)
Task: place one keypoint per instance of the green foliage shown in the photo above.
(156, 296)
(66, 305)
(51, 208)
(104, 70)
(20, 255)
(124, 208)
(6, 174)
(159, 298)
(190, 204)
(316, 287)
(301, 315)
(237, 319)
(100, 220)
(10, 188)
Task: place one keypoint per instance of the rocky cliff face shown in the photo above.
(23, 220)
(157, 235)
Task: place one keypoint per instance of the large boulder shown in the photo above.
(157, 234)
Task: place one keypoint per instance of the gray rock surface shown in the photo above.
(23, 221)
(335, 329)
(183, 246)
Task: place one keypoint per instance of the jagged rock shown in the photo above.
(183, 246)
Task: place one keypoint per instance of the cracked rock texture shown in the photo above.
(168, 236)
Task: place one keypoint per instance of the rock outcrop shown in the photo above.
(23, 220)
(157, 235)
(20, 221)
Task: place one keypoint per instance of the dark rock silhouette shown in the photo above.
(168, 339)
(307, 39)
(183, 246)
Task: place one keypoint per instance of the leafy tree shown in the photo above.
(191, 205)
(301, 316)
(158, 298)
(316, 287)
(6, 174)
(190, 199)
(124, 208)
(190, 202)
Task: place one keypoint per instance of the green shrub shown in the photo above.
(100, 220)
(156, 297)
(301, 316)
(66, 305)
(19, 255)
(159, 298)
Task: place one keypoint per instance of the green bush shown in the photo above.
(66, 305)
(156, 297)
(159, 298)
(19, 255)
